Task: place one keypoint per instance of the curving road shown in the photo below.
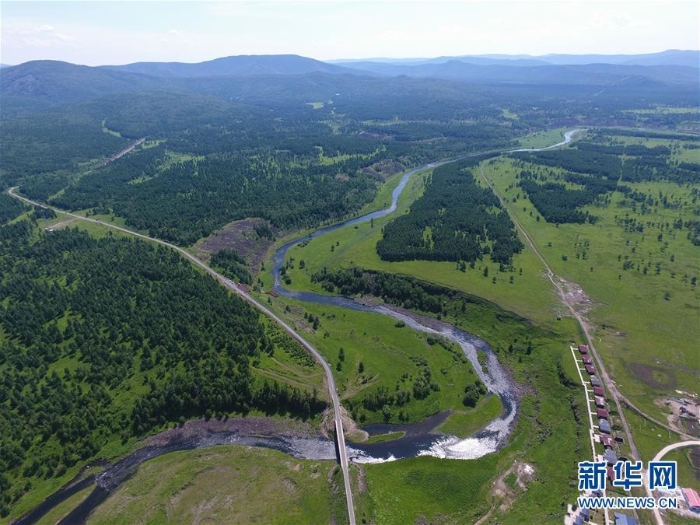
(662, 453)
(342, 451)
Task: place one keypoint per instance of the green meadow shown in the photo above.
(644, 305)
(227, 484)
(377, 352)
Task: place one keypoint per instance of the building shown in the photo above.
(599, 402)
(624, 519)
(587, 360)
(604, 426)
(610, 457)
(692, 499)
(595, 381)
(602, 413)
(607, 441)
(583, 349)
(611, 474)
(590, 369)
(599, 391)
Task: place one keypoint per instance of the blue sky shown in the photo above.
(100, 32)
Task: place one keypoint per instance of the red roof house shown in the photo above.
(692, 499)
(583, 349)
(597, 390)
(587, 360)
(607, 441)
(602, 413)
(611, 474)
(590, 369)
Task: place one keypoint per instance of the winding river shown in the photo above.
(425, 441)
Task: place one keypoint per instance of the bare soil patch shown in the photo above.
(247, 426)
(383, 170)
(683, 414)
(575, 296)
(508, 486)
(240, 236)
(692, 427)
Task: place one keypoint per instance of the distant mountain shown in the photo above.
(4, 65)
(479, 60)
(234, 66)
(39, 85)
(671, 57)
(590, 74)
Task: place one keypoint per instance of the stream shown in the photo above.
(424, 442)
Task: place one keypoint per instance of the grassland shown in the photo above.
(646, 316)
(542, 139)
(377, 353)
(423, 490)
(464, 423)
(549, 435)
(328, 160)
(226, 484)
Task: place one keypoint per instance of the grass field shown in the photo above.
(464, 423)
(226, 484)
(429, 490)
(542, 139)
(389, 355)
(646, 316)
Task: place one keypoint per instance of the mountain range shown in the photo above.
(41, 84)
(671, 57)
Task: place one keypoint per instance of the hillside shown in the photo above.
(233, 66)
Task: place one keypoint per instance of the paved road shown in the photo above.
(661, 454)
(682, 444)
(245, 296)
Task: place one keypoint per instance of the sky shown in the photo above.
(104, 32)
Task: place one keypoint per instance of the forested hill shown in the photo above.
(104, 340)
(50, 82)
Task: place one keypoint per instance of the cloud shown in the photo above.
(176, 37)
(42, 35)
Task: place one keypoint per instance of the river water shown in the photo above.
(426, 442)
